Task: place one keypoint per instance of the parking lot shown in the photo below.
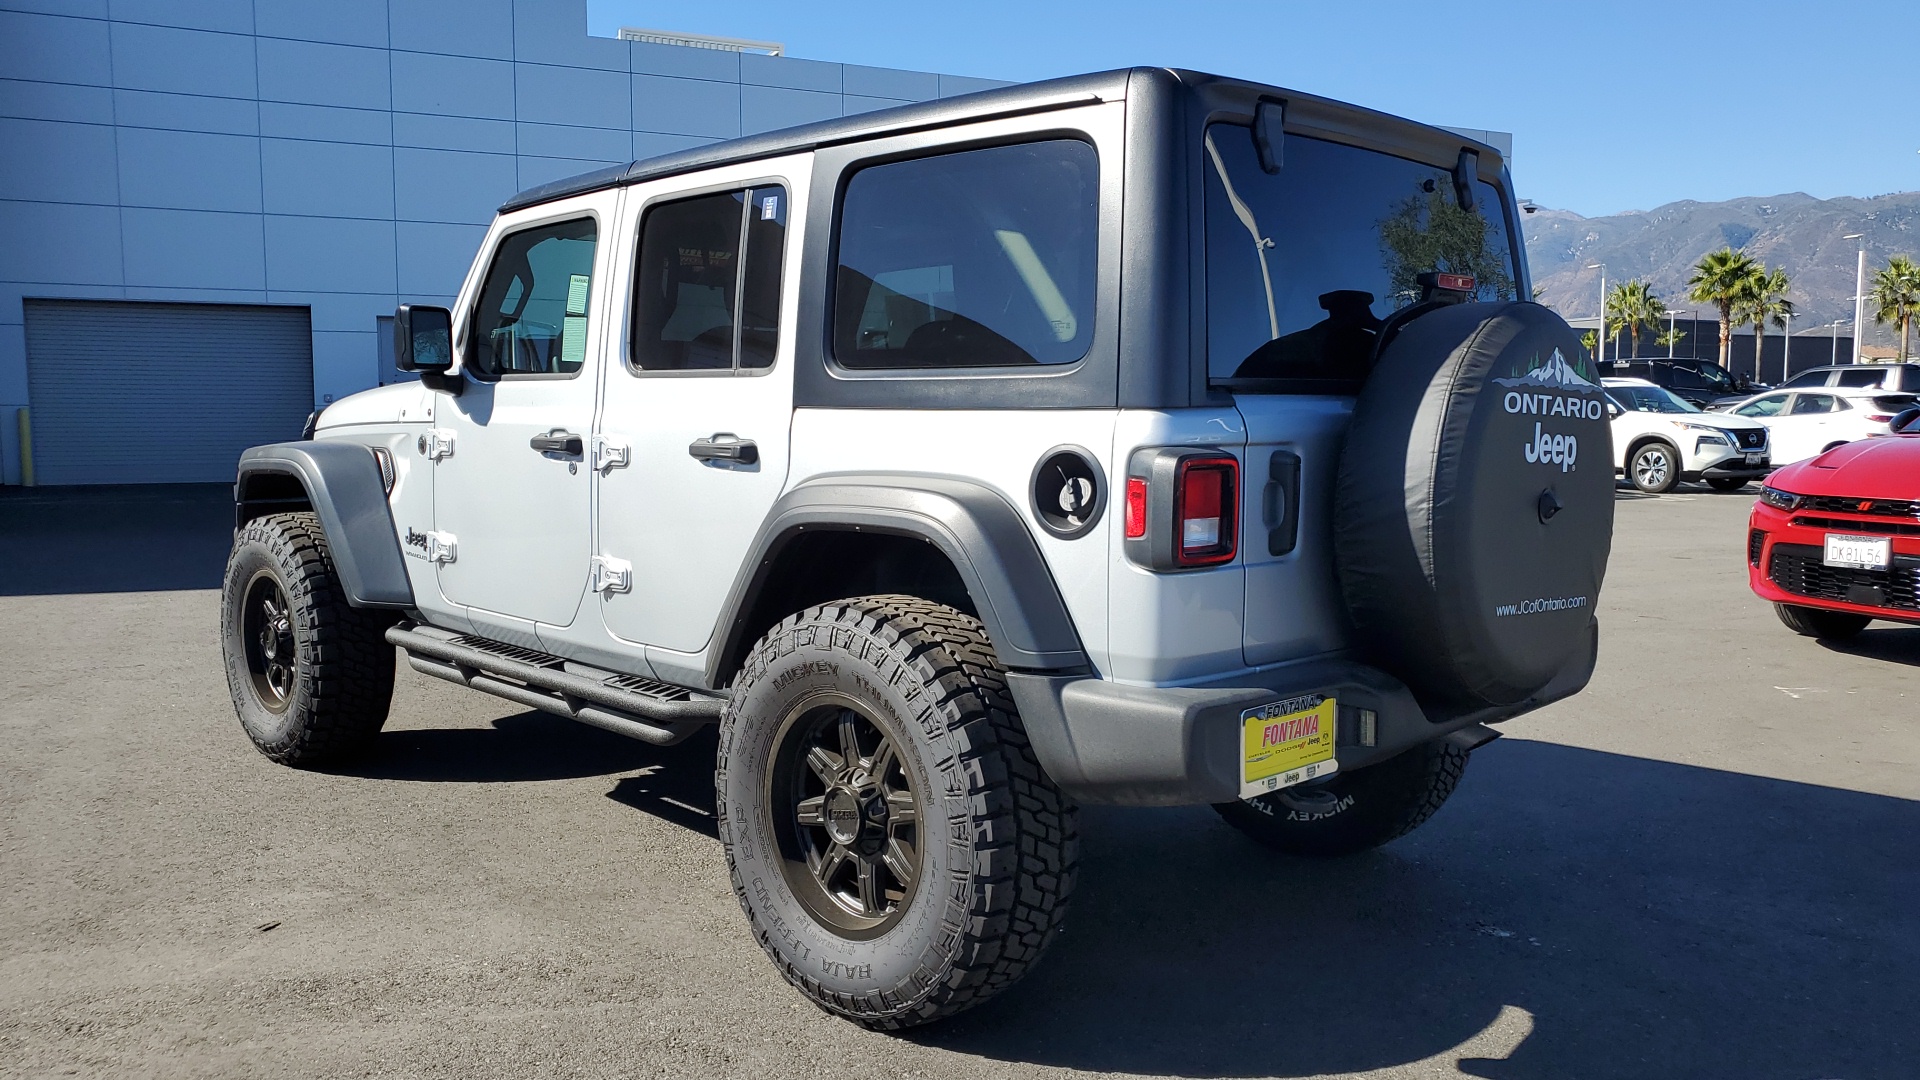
(1703, 866)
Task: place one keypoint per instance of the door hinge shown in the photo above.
(436, 443)
(440, 547)
(608, 453)
(612, 575)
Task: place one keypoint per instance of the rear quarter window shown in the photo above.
(979, 258)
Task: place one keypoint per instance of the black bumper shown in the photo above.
(1105, 742)
(1737, 467)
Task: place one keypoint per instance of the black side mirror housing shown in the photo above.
(1907, 422)
(423, 344)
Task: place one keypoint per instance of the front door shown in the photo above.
(511, 498)
(700, 402)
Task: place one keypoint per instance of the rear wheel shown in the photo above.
(892, 839)
(311, 676)
(1654, 468)
(1821, 623)
(1352, 812)
(1725, 483)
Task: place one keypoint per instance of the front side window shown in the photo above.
(982, 258)
(1808, 378)
(531, 318)
(1304, 265)
(706, 293)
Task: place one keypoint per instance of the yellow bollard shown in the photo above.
(26, 447)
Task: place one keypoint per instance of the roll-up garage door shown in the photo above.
(132, 393)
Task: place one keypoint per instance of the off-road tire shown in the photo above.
(339, 682)
(1002, 845)
(1726, 483)
(1647, 475)
(1821, 623)
(1356, 811)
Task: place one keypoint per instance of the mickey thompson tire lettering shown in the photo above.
(1356, 810)
(339, 672)
(998, 844)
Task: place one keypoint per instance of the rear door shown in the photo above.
(698, 398)
(1302, 266)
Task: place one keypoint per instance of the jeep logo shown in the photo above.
(415, 539)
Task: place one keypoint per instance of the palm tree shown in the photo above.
(1765, 298)
(1632, 305)
(1721, 278)
(1896, 296)
(1590, 341)
(1667, 339)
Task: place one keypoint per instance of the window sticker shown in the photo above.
(573, 339)
(769, 206)
(577, 294)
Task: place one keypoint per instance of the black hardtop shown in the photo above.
(1206, 95)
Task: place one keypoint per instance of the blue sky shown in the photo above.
(1688, 99)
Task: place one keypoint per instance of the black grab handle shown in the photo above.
(726, 446)
(558, 442)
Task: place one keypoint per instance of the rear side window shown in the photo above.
(531, 318)
(1867, 377)
(1303, 265)
(1812, 403)
(706, 293)
(983, 258)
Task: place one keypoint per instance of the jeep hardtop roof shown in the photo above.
(1196, 95)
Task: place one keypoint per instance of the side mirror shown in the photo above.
(423, 339)
(1907, 421)
(1612, 409)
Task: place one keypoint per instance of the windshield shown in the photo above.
(1304, 264)
(1649, 399)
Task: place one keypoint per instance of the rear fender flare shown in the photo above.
(343, 486)
(978, 531)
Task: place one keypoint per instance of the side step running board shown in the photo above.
(639, 708)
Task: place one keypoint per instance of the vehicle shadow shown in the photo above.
(1894, 644)
(1571, 913)
(132, 538)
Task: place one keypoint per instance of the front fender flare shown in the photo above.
(343, 485)
(979, 532)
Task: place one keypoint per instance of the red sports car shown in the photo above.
(1834, 541)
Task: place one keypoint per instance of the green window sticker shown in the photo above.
(577, 294)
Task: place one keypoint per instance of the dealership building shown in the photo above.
(209, 208)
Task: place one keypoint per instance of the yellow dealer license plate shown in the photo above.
(1286, 743)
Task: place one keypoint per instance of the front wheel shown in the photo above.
(311, 676)
(1352, 812)
(1821, 623)
(1654, 468)
(892, 839)
(1725, 483)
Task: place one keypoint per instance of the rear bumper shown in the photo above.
(1104, 742)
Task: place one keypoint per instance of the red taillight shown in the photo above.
(1206, 490)
(1136, 517)
(1880, 418)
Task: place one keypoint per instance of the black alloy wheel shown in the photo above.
(851, 846)
(267, 632)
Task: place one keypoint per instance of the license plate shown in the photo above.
(1286, 743)
(1755, 459)
(1859, 552)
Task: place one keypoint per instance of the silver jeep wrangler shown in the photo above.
(1144, 437)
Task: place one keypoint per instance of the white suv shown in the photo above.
(1660, 439)
(1143, 437)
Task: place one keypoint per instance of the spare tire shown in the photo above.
(1473, 512)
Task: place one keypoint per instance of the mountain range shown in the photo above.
(1797, 231)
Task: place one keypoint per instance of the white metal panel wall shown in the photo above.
(148, 393)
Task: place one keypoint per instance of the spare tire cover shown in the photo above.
(1473, 512)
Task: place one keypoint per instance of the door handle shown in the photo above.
(559, 442)
(725, 446)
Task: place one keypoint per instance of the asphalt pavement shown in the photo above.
(1704, 866)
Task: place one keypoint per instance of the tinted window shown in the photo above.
(1766, 406)
(1816, 377)
(983, 258)
(1812, 403)
(707, 286)
(1867, 377)
(531, 318)
(1685, 379)
(1717, 379)
(1304, 264)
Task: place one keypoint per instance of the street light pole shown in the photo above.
(1600, 334)
(1672, 319)
(1859, 291)
(1836, 340)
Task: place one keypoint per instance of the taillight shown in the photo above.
(1880, 418)
(1136, 515)
(1206, 490)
